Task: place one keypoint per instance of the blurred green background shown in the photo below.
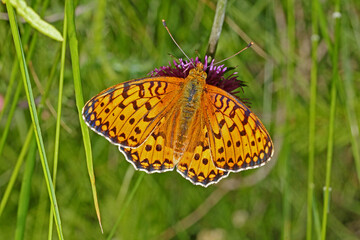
(122, 40)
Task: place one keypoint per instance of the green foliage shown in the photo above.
(291, 88)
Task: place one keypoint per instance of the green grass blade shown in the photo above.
(73, 44)
(10, 90)
(125, 206)
(10, 117)
(316, 222)
(25, 192)
(58, 118)
(290, 69)
(330, 145)
(16, 170)
(312, 117)
(34, 117)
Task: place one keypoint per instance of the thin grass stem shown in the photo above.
(125, 206)
(216, 28)
(25, 192)
(16, 170)
(58, 118)
(333, 97)
(312, 117)
(286, 230)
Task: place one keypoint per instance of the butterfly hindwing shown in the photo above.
(127, 113)
(156, 153)
(196, 163)
(237, 137)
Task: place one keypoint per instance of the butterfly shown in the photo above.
(183, 117)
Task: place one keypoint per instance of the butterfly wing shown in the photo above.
(238, 139)
(196, 163)
(127, 113)
(156, 154)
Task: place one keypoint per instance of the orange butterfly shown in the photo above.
(183, 117)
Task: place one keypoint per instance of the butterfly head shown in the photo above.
(198, 71)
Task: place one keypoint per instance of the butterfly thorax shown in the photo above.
(189, 105)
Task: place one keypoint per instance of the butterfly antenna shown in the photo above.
(167, 29)
(249, 45)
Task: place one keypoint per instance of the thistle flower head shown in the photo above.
(215, 74)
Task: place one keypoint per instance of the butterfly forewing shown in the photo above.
(127, 113)
(237, 138)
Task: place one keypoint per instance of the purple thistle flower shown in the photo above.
(215, 74)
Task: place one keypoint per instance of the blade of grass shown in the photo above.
(290, 9)
(16, 170)
(330, 145)
(316, 216)
(58, 118)
(125, 184)
(25, 192)
(312, 117)
(126, 205)
(10, 117)
(73, 44)
(10, 90)
(34, 117)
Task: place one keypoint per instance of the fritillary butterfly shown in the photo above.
(182, 117)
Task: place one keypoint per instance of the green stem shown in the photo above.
(216, 27)
(16, 170)
(126, 205)
(25, 192)
(9, 120)
(312, 117)
(286, 234)
(334, 83)
(58, 118)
